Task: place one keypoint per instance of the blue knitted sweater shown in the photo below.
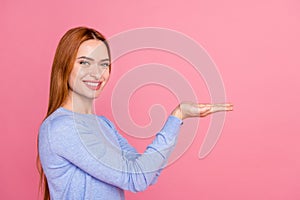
(84, 157)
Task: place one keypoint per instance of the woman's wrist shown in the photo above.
(177, 112)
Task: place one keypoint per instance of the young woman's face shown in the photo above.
(90, 72)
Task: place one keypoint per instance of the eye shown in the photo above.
(84, 62)
(105, 65)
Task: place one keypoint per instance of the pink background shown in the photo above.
(255, 46)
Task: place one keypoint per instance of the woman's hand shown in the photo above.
(188, 109)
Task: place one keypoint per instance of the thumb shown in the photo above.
(204, 107)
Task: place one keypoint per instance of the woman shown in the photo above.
(81, 155)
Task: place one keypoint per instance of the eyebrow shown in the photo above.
(91, 59)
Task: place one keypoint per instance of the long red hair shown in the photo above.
(61, 68)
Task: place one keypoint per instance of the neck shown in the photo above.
(79, 104)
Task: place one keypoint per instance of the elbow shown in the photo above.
(138, 188)
(138, 184)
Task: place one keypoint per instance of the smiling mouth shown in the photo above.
(93, 85)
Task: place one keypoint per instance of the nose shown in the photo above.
(97, 71)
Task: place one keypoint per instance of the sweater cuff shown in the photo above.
(172, 125)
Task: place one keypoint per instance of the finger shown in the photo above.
(219, 108)
(205, 114)
(230, 108)
(204, 107)
(215, 105)
(223, 105)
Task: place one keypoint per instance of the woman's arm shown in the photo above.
(98, 155)
(94, 152)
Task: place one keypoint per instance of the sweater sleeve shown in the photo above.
(129, 151)
(104, 154)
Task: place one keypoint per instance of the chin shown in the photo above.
(96, 95)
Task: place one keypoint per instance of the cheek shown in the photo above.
(74, 76)
(71, 81)
(106, 75)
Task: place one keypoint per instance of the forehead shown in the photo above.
(93, 48)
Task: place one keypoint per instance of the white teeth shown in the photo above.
(92, 84)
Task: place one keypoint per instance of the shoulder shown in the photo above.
(57, 121)
(55, 128)
(107, 121)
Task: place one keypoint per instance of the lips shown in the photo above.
(93, 85)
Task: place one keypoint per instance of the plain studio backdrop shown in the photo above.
(255, 46)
